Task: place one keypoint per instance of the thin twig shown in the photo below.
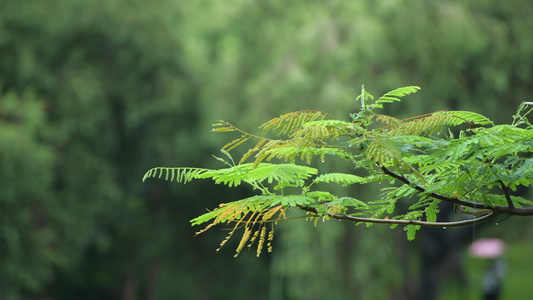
(509, 209)
(505, 190)
(483, 218)
(432, 194)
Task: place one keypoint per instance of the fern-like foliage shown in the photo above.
(289, 123)
(477, 168)
(460, 117)
(340, 178)
(253, 214)
(183, 175)
(282, 173)
(235, 175)
(395, 95)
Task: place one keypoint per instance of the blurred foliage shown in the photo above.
(93, 93)
(27, 198)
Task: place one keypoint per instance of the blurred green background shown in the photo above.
(94, 93)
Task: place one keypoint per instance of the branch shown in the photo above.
(514, 211)
(505, 189)
(433, 194)
(509, 209)
(483, 218)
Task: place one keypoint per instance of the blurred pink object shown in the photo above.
(487, 248)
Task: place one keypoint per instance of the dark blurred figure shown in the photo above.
(492, 281)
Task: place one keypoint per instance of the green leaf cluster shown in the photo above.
(460, 157)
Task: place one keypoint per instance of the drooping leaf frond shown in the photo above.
(396, 94)
(263, 152)
(341, 178)
(461, 117)
(223, 126)
(383, 151)
(392, 122)
(237, 142)
(253, 213)
(255, 149)
(334, 123)
(285, 173)
(311, 135)
(431, 211)
(314, 135)
(349, 202)
(429, 123)
(425, 126)
(412, 229)
(439, 168)
(236, 210)
(233, 176)
(288, 123)
(304, 153)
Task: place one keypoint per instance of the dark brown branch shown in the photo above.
(433, 194)
(505, 190)
(514, 211)
(489, 212)
(473, 212)
(509, 209)
(483, 218)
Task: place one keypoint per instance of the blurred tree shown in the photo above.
(107, 95)
(28, 220)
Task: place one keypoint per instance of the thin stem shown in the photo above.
(483, 218)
